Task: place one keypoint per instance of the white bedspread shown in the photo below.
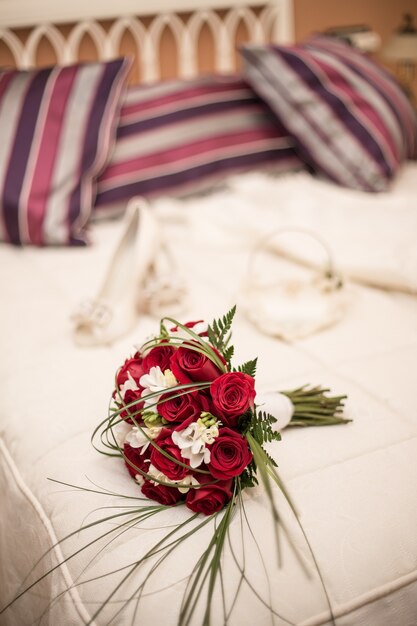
(372, 236)
(354, 486)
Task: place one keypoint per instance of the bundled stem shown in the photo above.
(314, 407)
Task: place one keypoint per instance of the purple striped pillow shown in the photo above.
(179, 136)
(57, 127)
(352, 121)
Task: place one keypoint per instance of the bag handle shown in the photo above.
(331, 277)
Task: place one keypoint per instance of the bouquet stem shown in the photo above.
(314, 407)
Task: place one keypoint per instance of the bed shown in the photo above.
(353, 486)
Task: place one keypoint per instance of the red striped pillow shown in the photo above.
(352, 121)
(180, 136)
(57, 126)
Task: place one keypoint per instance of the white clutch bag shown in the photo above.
(288, 299)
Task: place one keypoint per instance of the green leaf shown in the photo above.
(249, 367)
(260, 427)
(228, 355)
(218, 332)
(248, 477)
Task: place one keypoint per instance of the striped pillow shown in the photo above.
(179, 136)
(57, 126)
(352, 122)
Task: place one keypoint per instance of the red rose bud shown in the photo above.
(161, 493)
(171, 469)
(191, 366)
(191, 326)
(208, 499)
(229, 454)
(134, 367)
(159, 356)
(232, 394)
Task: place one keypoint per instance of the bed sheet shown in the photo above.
(353, 486)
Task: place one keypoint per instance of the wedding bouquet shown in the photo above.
(186, 421)
(190, 430)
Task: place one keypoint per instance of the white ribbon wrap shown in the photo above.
(278, 405)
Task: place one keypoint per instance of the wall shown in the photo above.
(383, 16)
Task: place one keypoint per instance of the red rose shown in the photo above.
(161, 493)
(171, 469)
(134, 367)
(184, 407)
(191, 366)
(133, 410)
(159, 356)
(232, 394)
(209, 499)
(229, 454)
(136, 458)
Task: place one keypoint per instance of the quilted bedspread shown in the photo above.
(354, 486)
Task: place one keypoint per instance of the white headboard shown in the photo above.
(263, 20)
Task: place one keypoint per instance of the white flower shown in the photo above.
(187, 480)
(137, 436)
(120, 432)
(139, 479)
(156, 381)
(192, 442)
(209, 434)
(153, 472)
(128, 385)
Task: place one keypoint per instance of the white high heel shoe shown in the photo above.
(125, 291)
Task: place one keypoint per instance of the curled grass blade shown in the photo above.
(244, 576)
(144, 510)
(269, 472)
(154, 550)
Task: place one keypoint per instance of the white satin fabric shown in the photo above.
(278, 405)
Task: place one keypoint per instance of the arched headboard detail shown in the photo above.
(38, 39)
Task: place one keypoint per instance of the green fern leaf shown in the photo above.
(228, 354)
(219, 332)
(260, 426)
(249, 367)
